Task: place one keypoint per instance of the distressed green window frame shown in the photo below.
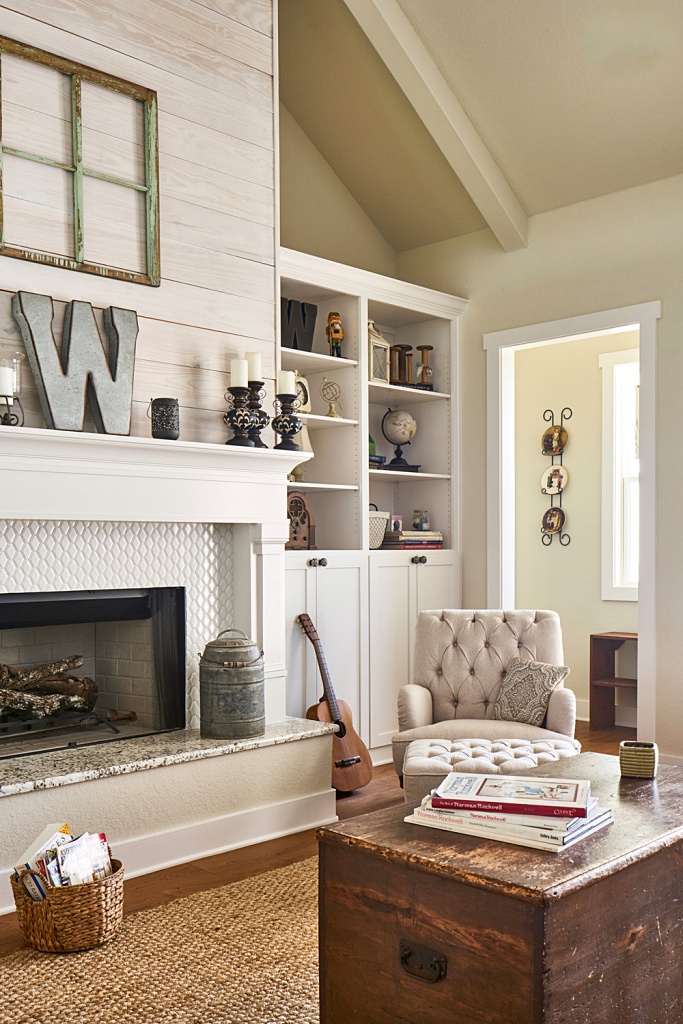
(78, 74)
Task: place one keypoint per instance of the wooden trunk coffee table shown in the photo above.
(590, 935)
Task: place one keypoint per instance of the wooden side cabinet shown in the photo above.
(604, 681)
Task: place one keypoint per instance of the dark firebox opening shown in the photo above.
(111, 616)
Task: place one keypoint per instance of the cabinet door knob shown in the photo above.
(423, 559)
(323, 562)
(415, 559)
(313, 562)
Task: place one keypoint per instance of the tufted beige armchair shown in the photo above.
(460, 661)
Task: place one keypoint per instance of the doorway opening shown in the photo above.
(503, 349)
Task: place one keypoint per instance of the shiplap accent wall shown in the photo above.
(211, 64)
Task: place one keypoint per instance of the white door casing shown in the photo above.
(500, 348)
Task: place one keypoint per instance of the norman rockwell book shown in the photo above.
(516, 794)
(534, 820)
(536, 839)
(554, 833)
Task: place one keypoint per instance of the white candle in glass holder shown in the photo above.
(7, 383)
(285, 382)
(239, 376)
(254, 365)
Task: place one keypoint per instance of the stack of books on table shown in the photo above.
(404, 540)
(545, 814)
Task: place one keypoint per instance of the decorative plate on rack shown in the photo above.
(553, 520)
(554, 479)
(554, 440)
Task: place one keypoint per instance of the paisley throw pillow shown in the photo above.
(526, 689)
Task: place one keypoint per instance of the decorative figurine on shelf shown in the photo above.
(335, 333)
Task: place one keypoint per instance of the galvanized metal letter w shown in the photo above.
(82, 372)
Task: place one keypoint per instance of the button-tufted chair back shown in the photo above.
(461, 656)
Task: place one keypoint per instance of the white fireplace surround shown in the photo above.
(90, 511)
(83, 511)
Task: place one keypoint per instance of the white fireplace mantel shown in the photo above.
(66, 475)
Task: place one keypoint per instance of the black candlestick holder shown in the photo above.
(239, 418)
(259, 417)
(9, 418)
(287, 424)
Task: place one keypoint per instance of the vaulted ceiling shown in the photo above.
(443, 116)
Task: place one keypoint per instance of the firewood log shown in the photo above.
(38, 705)
(71, 686)
(29, 676)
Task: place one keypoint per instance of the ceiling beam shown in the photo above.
(408, 60)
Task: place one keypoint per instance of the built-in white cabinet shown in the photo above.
(401, 585)
(369, 622)
(332, 588)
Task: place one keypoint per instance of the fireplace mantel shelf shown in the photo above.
(67, 475)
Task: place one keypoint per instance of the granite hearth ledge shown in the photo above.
(123, 757)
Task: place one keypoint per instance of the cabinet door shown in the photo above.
(399, 589)
(342, 625)
(300, 596)
(434, 586)
(392, 621)
(335, 598)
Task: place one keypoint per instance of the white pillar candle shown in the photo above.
(238, 373)
(7, 383)
(254, 364)
(285, 382)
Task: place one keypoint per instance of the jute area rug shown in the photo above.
(246, 953)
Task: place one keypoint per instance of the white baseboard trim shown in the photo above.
(159, 850)
(670, 759)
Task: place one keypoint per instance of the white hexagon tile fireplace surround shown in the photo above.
(47, 556)
(88, 511)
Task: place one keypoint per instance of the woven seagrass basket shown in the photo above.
(73, 917)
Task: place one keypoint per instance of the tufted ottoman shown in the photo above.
(427, 762)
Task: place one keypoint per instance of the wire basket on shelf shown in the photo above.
(378, 526)
(71, 917)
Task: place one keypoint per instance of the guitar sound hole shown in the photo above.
(342, 730)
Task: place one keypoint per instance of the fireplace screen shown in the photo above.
(84, 666)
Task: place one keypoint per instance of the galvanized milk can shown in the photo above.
(231, 688)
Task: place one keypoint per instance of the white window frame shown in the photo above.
(612, 479)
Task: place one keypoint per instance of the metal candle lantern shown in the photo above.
(231, 688)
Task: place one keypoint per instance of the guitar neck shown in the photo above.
(325, 675)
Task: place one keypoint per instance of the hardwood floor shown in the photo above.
(184, 879)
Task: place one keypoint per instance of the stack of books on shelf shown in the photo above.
(404, 540)
(545, 814)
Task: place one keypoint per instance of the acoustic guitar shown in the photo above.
(351, 764)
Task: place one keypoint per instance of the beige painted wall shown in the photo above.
(565, 579)
(605, 253)
(318, 214)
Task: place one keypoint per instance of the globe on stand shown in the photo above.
(331, 392)
(399, 428)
